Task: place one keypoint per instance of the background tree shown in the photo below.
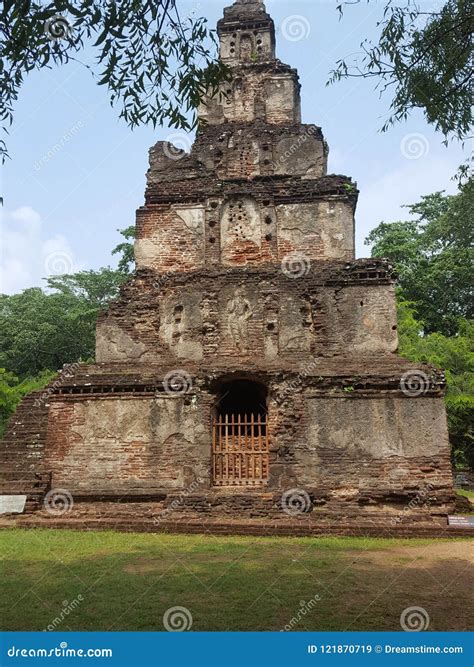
(96, 288)
(425, 58)
(156, 64)
(126, 250)
(12, 391)
(43, 330)
(434, 255)
(455, 355)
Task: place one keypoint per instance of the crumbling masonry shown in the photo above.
(250, 366)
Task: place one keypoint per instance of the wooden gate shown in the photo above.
(240, 450)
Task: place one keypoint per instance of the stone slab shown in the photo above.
(12, 504)
(461, 521)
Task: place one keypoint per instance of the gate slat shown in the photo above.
(239, 473)
(240, 450)
(214, 460)
(244, 455)
(226, 447)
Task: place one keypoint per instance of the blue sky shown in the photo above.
(63, 205)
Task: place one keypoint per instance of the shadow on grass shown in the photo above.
(127, 582)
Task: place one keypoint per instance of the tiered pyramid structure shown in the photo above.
(250, 365)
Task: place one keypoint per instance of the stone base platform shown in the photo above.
(155, 517)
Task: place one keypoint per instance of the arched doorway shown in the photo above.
(240, 439)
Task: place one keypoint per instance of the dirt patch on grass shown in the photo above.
(237, 583)
(384, 582)
(429, 554)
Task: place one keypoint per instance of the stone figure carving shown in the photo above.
(177, 325)
(245, 48)
(239, 311)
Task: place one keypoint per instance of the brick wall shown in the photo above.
(345, 452)
(290, 319)
(246, 270)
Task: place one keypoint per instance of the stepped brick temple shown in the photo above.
(249, 368)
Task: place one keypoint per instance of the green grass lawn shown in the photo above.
(120, 581)
(466, 494)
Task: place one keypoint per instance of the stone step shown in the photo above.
(33, 484)
(248, 527)
(256, 507)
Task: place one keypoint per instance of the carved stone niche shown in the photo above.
(241, 234)
(246, 47)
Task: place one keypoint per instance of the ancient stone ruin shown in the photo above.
(249, 368)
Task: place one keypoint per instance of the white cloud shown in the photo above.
(26, 255)
(26, 215)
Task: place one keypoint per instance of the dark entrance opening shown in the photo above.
(240, 441)
(242, 397)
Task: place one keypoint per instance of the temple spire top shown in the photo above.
(260, 88)
(247, 33)
(251, 5)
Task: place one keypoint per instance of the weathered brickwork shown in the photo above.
(246, 277)
(148, 446)
(188, 316)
